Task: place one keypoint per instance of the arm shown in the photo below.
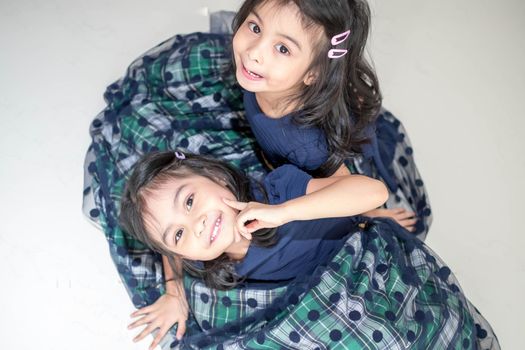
(403, 217)
(170, 308)
(325, 198)
(336, 197)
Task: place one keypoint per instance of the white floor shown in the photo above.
(452, 71)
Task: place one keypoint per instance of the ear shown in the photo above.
(309, 78)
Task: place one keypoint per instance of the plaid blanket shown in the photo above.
(181, 94)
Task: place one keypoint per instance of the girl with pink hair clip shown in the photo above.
(311, 100)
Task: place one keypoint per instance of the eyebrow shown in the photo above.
(295, 42)
(175, 201)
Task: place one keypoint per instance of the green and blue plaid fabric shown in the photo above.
(383, 290)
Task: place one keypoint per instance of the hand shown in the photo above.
(164, 313)
(254, 216)
(403, 217)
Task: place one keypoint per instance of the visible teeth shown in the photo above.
(215, 229)
(253, 74)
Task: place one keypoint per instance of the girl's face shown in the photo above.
(189, 217)
(273, 51)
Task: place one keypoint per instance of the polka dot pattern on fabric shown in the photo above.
(381, 268)
(389, 315)
(206, 325)
(444, 272)
(205, 297)
(419, 316)
(350, 250)
(354, 315)
(313, 315)
(335, 335)
(411, 336)
(252, 302)
(399, 296)
(260, 338)
(335, 297)
(294, 337)
(377, 336)
(481, 333)
(226, 301)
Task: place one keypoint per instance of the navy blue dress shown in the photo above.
(302, 245)
(388, 156)
(283, 141)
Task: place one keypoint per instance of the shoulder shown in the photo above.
(285, 183)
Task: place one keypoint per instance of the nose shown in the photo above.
(255, 53)
(200, 225)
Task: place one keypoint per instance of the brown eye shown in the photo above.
(178, 235)
(282, 49)
(254, 27)
(189, 202)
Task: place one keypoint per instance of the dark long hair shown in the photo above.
(345, 98)
(155, 169)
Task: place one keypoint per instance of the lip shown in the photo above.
(247, 75)
(215, 227)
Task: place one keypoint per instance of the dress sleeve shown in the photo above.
(285, 183)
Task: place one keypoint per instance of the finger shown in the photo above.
(246, 233)
(406, 215)
(234, 204)
(181, 329)
(145, 332)
(254, 226)
(160, 334)
(397, 211)
(409, 228)
(408, 222)
(242, 218)
(142, 311)
(139, 322)
(240, 227)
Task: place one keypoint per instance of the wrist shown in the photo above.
(287, 212)
(173, 285)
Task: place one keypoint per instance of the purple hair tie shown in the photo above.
(180, 155)
(336, 40)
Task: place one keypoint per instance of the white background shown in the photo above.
(451, 70)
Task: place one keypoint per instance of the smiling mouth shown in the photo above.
(251, 75)
(216, 229)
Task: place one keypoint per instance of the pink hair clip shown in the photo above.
(180, 155)
(336, 40)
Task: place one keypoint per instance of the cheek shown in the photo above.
(236, 42)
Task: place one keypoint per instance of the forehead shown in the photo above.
(286, 17)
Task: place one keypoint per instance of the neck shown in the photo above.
(238, 250)
(274, 106)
